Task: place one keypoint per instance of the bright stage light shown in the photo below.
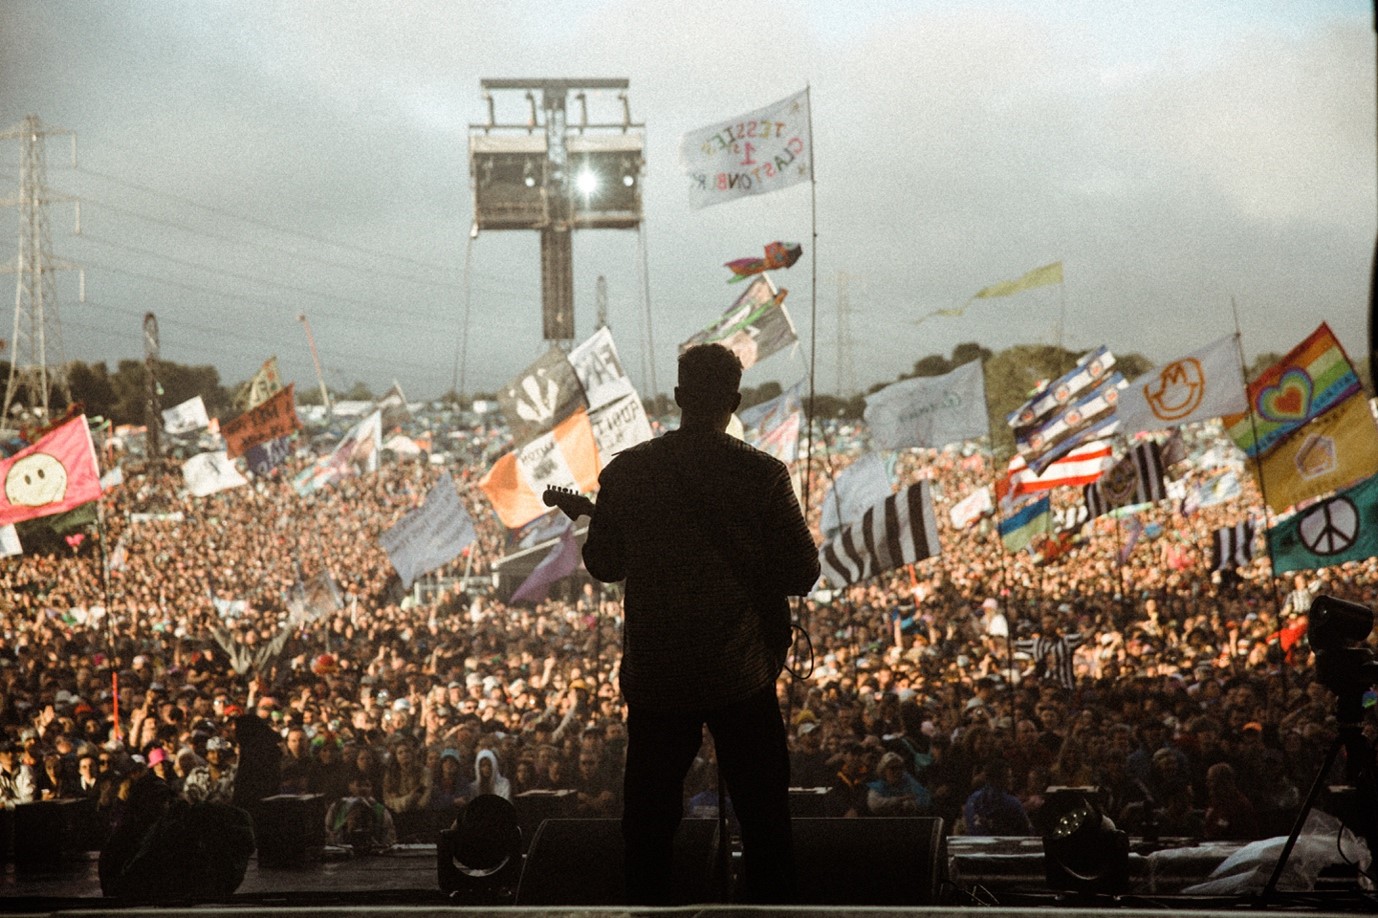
(587, 183)
(629, 180)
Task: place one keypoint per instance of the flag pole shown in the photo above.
(1258, 459)
(813, 307)
(109, 620)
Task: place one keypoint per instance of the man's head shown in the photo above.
(709, 376)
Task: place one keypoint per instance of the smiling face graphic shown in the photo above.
(35, 480)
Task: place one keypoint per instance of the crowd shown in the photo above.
(963, 687)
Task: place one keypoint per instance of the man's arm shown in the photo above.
(787, 534)
(604, 553)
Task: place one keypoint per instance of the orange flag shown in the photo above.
(566, 456)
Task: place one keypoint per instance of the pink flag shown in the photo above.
(54, 475)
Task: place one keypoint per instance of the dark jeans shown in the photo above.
(751, 749)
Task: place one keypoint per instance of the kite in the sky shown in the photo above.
(778, 255)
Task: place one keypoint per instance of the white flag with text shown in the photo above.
(755, 153)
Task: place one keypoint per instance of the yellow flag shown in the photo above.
(266, 382)
(1332, 452)
(1038, 277)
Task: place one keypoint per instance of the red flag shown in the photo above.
(54, 475)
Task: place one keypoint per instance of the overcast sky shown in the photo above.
(243, 162)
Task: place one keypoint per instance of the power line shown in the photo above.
(261, 223)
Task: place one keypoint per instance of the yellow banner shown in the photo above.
(1038, 277)
(1332, 452)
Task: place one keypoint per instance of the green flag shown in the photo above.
(1038, 277)
(1338, 529)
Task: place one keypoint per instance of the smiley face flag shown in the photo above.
(54, 475)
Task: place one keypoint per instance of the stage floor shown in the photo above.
(982, 873)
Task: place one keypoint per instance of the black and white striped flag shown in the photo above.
(1135, 479)
(1232, 546)
(897, 531)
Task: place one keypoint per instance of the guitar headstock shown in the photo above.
(571, 503)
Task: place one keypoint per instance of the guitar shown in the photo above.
(571, 503)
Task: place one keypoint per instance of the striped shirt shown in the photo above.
(669, 511)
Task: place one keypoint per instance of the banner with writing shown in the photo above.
(755, 153)
(274, 417)
(432, 535)
(599, 369)
(618, 426)
(929, 411)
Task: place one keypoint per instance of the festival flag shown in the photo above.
(1205, 384)
(1090, 417)
(600, 371)
(778, 255)
(264, 457)
(543, 395)
(1314, 377)
(119, 557)
(393, 407)
(210, 473)
(755, 153)
(272, 418)
(431, 535)
(186, 417)
(754, 327)
(773, 425)
(619, 425)
(566, 457)
(901, 530)
(9, 541)
(1331, 452)
(265, 383)
(1232, 546)
(971, 508)
(313, 598)
(1090, 372)
(1081, 466)
(1136, 530)
(1034, 520)
(856, 489)
(930, 411)
(56, 474)
(355, 454)
(1038, 277)
(1339, 529)
(562, 561)
(1136, 479)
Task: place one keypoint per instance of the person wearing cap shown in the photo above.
(212, 782)
(708, 535)
(17, 783)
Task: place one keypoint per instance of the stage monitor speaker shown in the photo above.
(881, 861)
(579, 862)
(290, 829)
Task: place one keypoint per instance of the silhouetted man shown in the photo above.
(708, 534)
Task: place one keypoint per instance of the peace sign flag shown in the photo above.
(1339, 529)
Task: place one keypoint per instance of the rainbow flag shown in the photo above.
(1313, 378)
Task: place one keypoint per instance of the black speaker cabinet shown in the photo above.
(579, 862)
(290, 829)
(899, 861)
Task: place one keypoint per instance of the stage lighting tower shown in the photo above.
(553, 176)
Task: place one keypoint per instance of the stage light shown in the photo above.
(628, 180)
(1083, 852)
(587, 182)
(1337, 630)
(479, 859)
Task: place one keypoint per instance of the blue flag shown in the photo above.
(1341, 528)
(1035, 519)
